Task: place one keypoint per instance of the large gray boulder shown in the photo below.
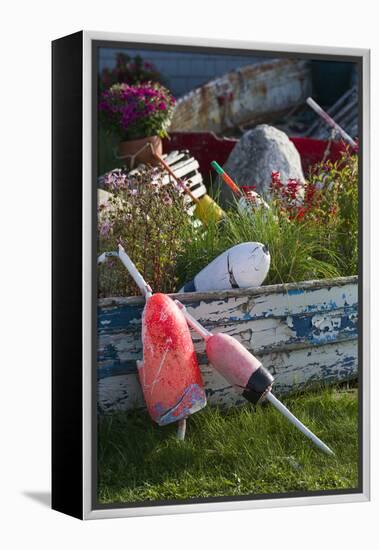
(258, 153)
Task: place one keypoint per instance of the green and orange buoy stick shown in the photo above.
(227, 179)
(237, 190)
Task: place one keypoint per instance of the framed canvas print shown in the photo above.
(210, 275)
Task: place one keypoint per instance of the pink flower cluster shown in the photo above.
(136, 111)
(114, 181)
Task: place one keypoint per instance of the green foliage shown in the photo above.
(323, 243)
(243, 451)
(106, 148)
(336, 205)
(298, 251)
(314, 239)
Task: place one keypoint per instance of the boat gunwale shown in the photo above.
(216, 295)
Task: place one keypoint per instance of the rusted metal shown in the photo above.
(247, 95)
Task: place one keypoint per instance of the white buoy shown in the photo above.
(242, 266)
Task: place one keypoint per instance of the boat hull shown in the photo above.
(305, 334)
(248, 95)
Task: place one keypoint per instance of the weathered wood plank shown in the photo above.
(259, 336)
(330, 363)
(198, 191)
(191, 182)
(184, 166)
(288, 288)
(175, 156)
(241, 305)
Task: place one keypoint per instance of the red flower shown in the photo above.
(247, 188)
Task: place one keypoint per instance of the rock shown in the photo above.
(258, 153)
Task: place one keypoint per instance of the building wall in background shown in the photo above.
(184, 70)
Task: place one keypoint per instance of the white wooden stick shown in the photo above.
(296, 422)
(138, 279)
(328, 119)
(270, 397)
(202, 331)
(181, 433)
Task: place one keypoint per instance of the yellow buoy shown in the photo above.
(208, 210)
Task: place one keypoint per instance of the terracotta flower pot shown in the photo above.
(137, 151)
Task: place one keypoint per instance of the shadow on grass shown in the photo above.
(133, 450)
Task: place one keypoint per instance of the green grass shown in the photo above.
(323, 244)
(242, 451)
(298, 251)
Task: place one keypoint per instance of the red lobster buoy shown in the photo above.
(169, 373)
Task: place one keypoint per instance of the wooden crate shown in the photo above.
(184, 166)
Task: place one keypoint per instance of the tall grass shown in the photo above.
(170, 250)
(298, 251)
(338, 206)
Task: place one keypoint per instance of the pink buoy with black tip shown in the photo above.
(237, 365)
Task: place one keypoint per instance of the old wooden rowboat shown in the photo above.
(304, 333)
(251, 94)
